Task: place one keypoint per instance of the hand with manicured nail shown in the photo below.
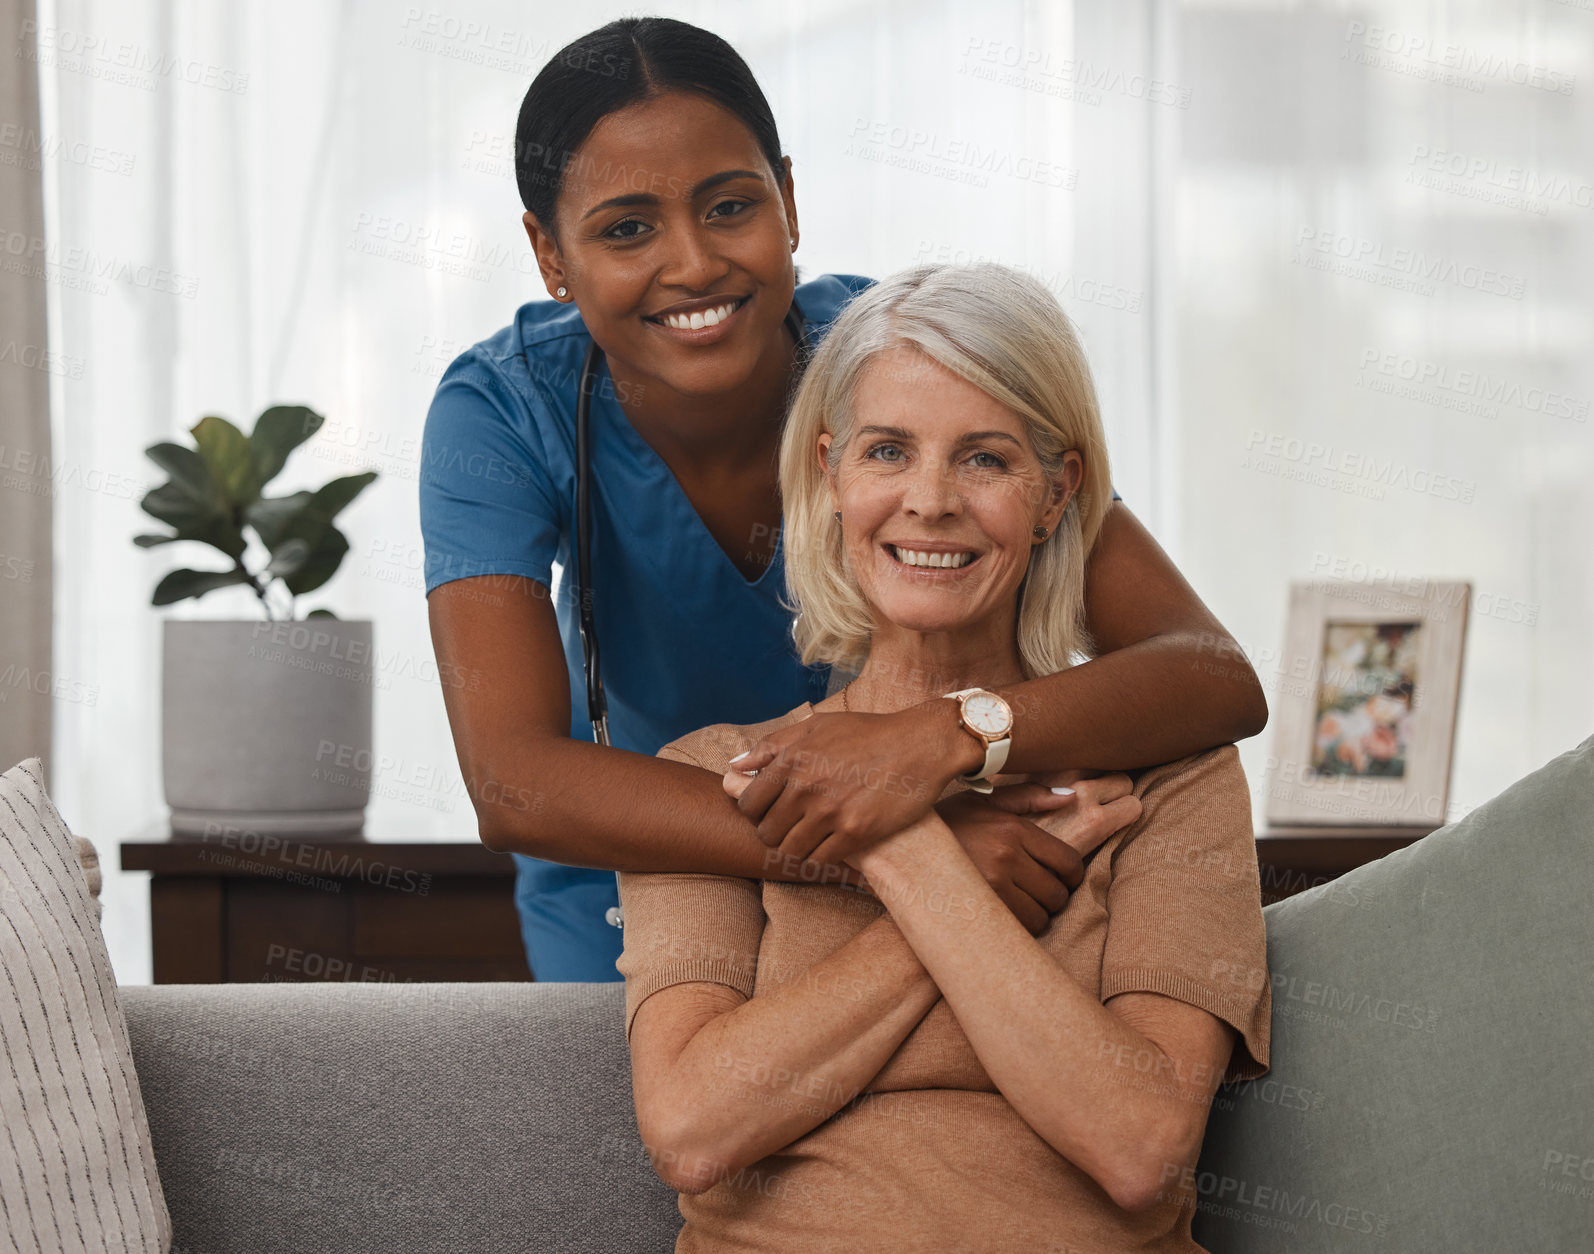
(1033, 869)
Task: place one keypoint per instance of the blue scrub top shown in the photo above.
(686, 640)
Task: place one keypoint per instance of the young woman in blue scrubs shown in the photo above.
(662, 214)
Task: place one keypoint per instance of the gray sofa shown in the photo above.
(1431, 1087)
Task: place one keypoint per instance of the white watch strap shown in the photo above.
(995, 756)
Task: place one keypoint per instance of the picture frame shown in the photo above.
(1369, 686)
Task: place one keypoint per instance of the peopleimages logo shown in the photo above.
(36, 474)
(1066, 78)
(1315, 462)
(117, 61)
(962, 160)
(34, 357)
(1421, 56)
(1517, 186)
(433, 247)
(1365, 258)
(1265, 1205)
(74, 266)
(21, 146)
(1474, 384)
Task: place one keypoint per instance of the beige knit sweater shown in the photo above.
(931, 1157)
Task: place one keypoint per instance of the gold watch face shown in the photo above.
(988, 714)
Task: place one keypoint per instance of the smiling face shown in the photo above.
(939, 491)
(674, 237)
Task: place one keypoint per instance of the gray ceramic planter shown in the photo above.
(266, 726)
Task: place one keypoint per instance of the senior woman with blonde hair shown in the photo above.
(908, 1065)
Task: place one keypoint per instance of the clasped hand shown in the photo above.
(827, 789)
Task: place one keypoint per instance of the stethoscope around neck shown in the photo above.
(597, 702)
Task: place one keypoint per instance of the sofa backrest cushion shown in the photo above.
(391, 1118)
(77, 1168)
(1433, 1034)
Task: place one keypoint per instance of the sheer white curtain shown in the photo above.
(1385, 355)
(315, 203)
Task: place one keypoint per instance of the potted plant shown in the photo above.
(265, 723)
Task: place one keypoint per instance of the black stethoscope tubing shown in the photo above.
(597, 702)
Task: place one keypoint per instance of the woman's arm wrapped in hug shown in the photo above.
(1118, 1078)
(721, 1078)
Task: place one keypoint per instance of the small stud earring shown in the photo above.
(560, 293)
(1040, 533)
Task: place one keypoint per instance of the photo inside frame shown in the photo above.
(1365, 696)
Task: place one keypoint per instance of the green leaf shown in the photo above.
(278, 431)
(321, 564)
(174, 507)
(180, 584)
(227, 453)
(189, 473)
(219, 533)
(288, 559)
(192, 521)
(192, 502)
(307, 517)
(320, 614)
(332, 499)
(273, 516)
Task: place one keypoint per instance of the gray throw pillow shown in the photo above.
(1432, 1075)
(77, 1168)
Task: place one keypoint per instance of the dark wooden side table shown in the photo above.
(1293, 859)
(240, 907)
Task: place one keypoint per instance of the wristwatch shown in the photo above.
(990, 720)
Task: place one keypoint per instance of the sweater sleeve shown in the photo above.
(1184, 904)
(687, 929)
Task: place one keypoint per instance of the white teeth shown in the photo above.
(912, 557)
(702, 318)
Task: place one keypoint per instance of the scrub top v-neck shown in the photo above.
(673, 509)
(687, 640)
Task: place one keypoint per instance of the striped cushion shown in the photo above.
(77, 1169)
